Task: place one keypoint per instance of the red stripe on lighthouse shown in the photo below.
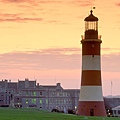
(90, 48)
(91, 78)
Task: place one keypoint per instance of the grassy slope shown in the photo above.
(33, 114)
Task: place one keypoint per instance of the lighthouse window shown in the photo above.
(91, 25)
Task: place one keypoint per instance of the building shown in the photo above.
(47, 98)
(7, 91)
(26, 94)
(116, 111)
(91, 102)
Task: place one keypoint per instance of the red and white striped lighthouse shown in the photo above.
(91, 101)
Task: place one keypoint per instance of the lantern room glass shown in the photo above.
(91, 25)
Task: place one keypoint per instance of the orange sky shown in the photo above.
(40, 39)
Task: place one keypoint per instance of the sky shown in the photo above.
(40, 40)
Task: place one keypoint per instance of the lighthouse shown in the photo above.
(91, 102)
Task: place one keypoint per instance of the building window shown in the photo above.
(57, 94)
(40, 101)
(61, 101)
(46, 101)
(68, 94)
(33, 101)
(53, 93)
(69, 101)
(20, 92)
(26, 100)
(118, 111)
(64, 94)
(57, 101)
(46, 93)
(114, 111)
(64, 101)
(26, 93)
(61, 94)
(34, 93)
(51, 101)
(40, 93)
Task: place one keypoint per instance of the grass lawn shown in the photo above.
(34, 114)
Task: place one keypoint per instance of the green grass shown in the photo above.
(34, 114)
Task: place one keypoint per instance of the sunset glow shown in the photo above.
(40, 39)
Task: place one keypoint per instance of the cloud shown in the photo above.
(42, 2)
(33, 1)
(55, 58)
(17, 18)
(28, 10)
(111, 49)
(82, 3)
(18, 1)
(110, 62)
(52, 11)
(65, 58)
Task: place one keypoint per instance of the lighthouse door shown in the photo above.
(91, 112)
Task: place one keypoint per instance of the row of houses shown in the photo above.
(27, 93)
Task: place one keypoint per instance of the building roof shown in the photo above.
(51, 87)
(91, 17)
(57, 86)
(116, 108)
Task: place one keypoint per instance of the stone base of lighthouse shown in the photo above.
(91, 108)
(91, 102)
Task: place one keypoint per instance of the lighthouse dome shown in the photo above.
(91, 17)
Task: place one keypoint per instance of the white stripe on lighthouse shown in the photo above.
(91, 62)
(91, 93)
